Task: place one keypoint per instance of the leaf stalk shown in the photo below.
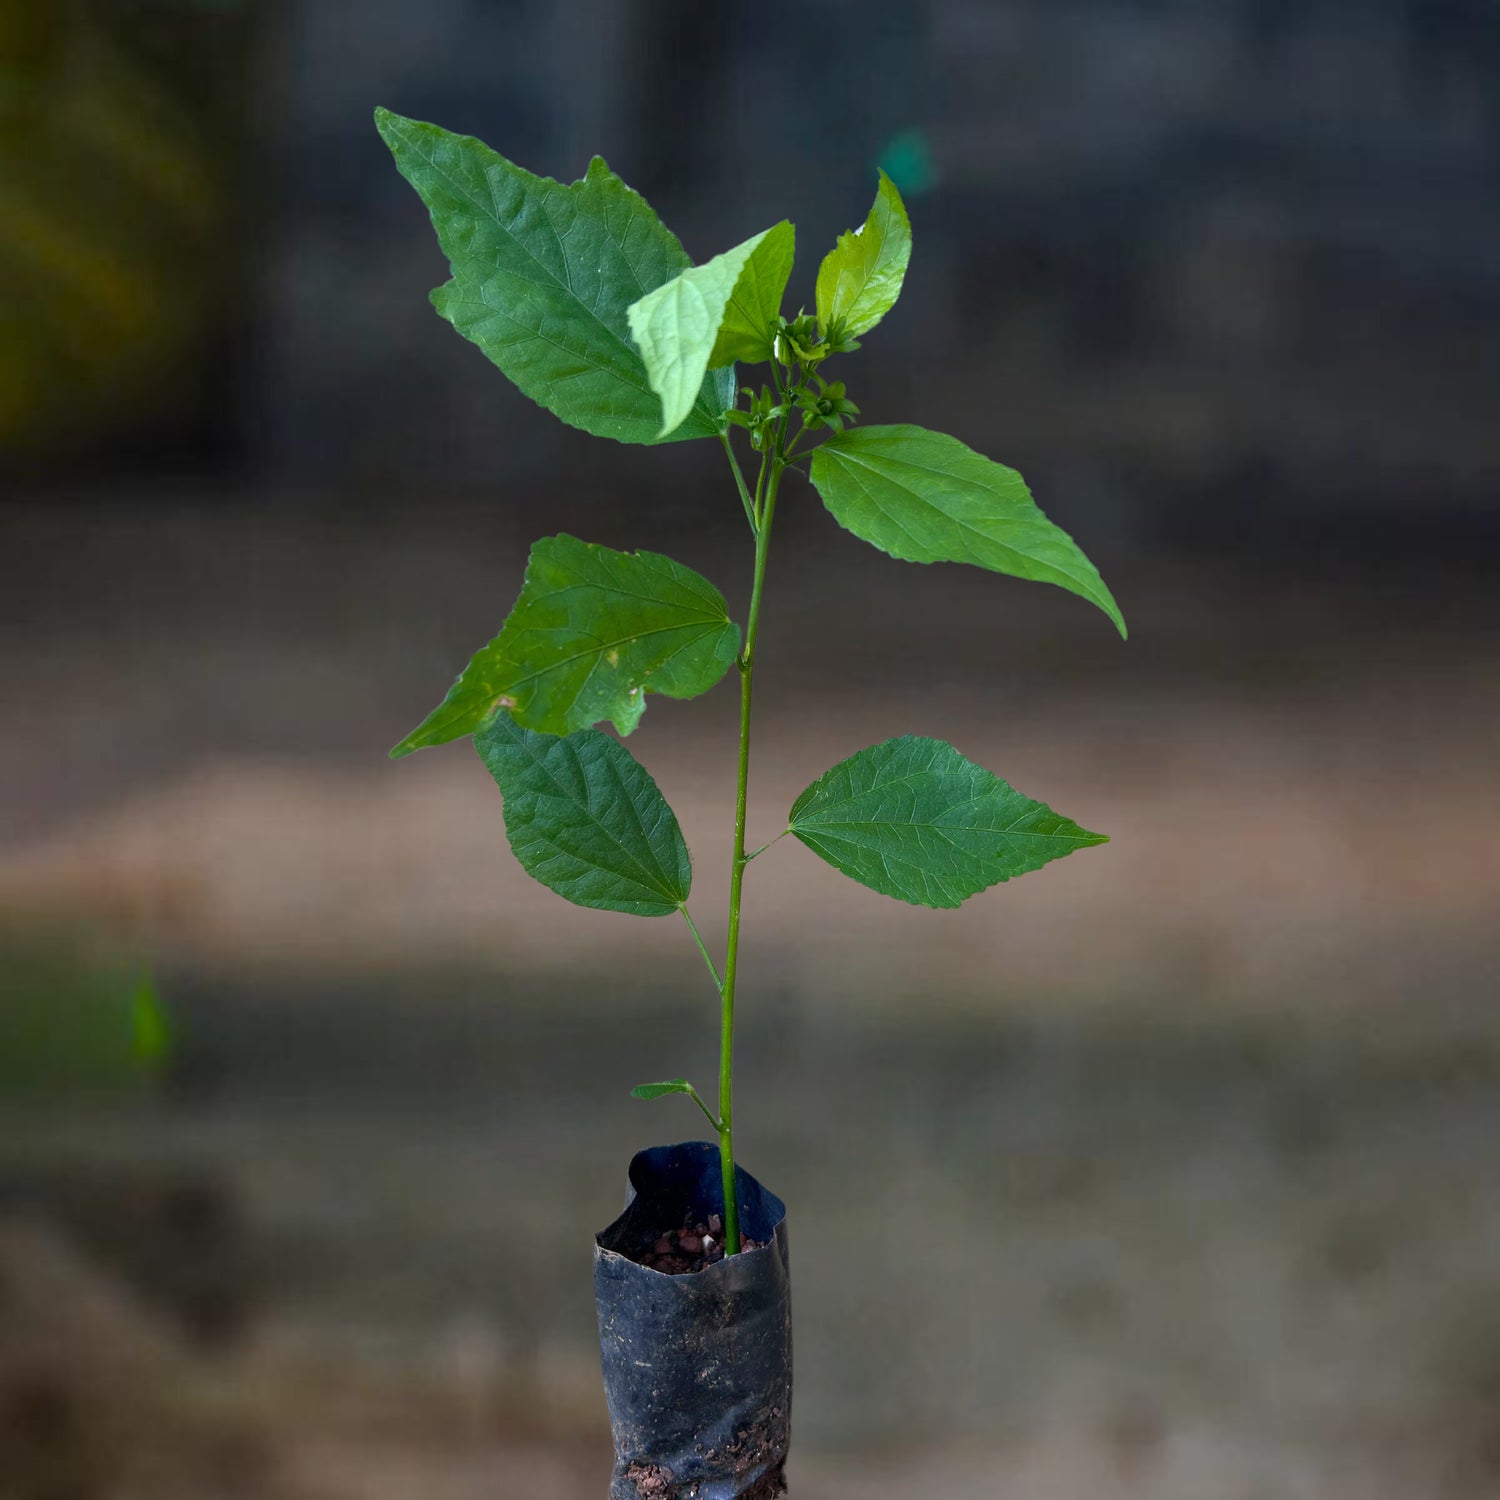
(708, 1114)
(739, 479)
(712, 968)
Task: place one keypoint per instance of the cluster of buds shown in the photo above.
(797, 342)
(826, 406)
(761, 418)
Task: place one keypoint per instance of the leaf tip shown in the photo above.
(387, 122)
(888, 190)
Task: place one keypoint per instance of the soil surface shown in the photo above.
(692, 1248)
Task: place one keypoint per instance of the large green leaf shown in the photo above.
(712, 314)
(861, 277)
(914, 819)
(585, 818)
(543, 274)
(592, 633)
(926, 497)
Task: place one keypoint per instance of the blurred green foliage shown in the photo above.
(114, 181)
(75, 1023)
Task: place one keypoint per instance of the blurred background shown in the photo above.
(1168, 1171)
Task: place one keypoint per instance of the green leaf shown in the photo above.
(656, 1090)
(675, 1086)
(585, 818)
(926, 497)
(914, 819)
(710, 314)
(542, 277)
(861, 277)
(746, 331)
(592, 633)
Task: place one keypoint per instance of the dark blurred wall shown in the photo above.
(1215, 271)
(718, 115)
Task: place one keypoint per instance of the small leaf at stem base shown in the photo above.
(676, 1086)
(656, 1090)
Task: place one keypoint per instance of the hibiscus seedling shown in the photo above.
(588, 303)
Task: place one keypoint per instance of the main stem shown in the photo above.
(737, 872)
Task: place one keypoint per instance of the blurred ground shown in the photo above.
(1296, 775)
(1164, 1172)
(1151, 1259)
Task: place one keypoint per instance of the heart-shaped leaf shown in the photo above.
(585, 818)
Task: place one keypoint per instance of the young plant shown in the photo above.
(587, 302)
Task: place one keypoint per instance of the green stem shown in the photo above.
(760, 487)
(776, 380)
(767, 512)
(693, 928)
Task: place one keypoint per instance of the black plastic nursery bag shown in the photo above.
(697, 1368)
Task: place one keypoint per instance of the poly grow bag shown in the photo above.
(697, 1367)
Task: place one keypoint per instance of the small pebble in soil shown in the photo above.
(693, 1248)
